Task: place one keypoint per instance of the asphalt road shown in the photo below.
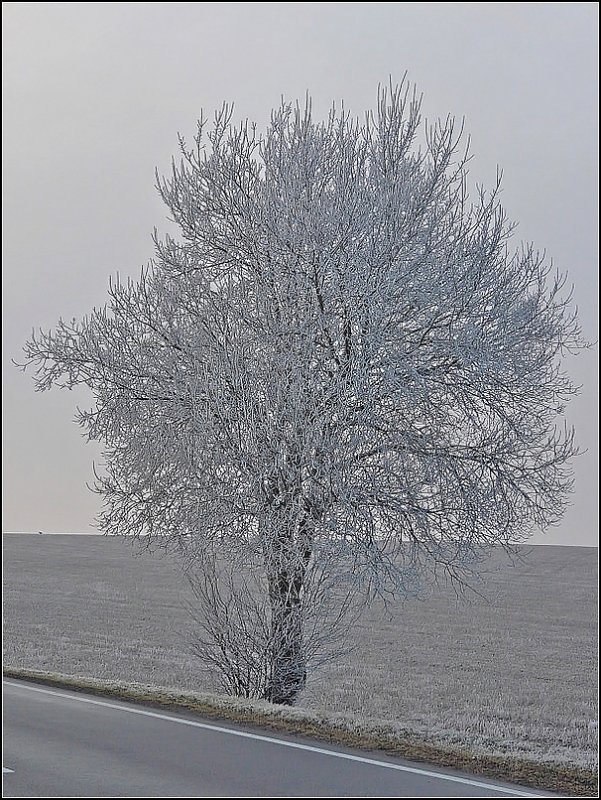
(67, 744)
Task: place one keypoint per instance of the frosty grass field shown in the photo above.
(511, 674)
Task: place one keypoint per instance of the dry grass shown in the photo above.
(513, 675)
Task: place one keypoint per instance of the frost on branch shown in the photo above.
(340, 377)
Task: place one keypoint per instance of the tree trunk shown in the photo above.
(288, 673)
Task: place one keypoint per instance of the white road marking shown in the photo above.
(6, 769)
(281, 742)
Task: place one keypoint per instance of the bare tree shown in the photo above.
(338, 372)
(235, 634)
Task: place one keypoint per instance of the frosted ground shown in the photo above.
(512, 673)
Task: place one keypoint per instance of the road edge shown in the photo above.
(562, 779)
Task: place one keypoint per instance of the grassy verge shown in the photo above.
(565, 780)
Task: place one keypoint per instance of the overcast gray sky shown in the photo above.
(94, 94)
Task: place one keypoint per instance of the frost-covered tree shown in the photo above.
(339, 374)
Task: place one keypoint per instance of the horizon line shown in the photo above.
(97, 533)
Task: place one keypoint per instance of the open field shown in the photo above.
(514, 673)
